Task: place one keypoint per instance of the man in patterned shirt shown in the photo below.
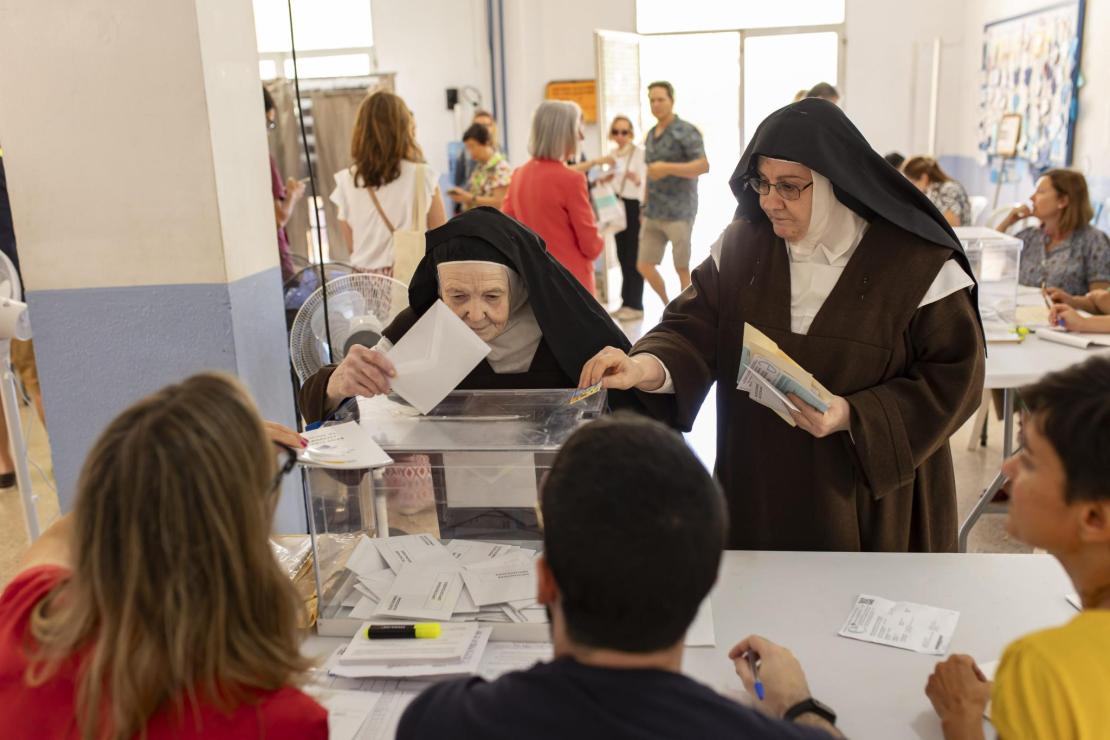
(675, 158)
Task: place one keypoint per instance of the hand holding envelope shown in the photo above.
(433, 357)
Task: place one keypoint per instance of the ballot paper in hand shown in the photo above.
(901, 624)
(345, 446)
(433, 357)
(763, 358)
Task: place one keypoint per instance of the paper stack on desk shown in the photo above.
(1077, 339)
(416, 577)
(457, 652)
(768, 374)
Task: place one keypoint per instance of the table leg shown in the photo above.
(988, 495)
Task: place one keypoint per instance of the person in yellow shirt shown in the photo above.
(1052, 684)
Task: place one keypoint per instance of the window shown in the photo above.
(322, 26)
(665, 16)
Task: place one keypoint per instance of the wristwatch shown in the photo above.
(810, 706)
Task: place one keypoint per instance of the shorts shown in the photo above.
(23, 362)
(654, 235)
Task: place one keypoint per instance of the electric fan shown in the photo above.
(360, 306)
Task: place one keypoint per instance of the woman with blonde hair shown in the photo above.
(387, 187)
(156, 608)
(552, 199)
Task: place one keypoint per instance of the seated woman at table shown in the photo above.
(497, 276)
(1064, 251)
(946, 194)
(156, 607)
(1053, 683)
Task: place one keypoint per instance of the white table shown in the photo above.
(802, 599)
(1009, 367)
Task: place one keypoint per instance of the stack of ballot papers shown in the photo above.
(345, 446)
(417, 578)
(768, 375)
(456, 652)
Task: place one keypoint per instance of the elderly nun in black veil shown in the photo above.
(853, 273)
(497, 276)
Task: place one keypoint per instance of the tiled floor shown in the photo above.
(974, 470)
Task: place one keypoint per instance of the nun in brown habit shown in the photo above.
(853, 273)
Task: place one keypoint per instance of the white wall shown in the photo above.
(886, 85)
(433, 45)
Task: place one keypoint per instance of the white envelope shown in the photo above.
(434, 356)
(490, 479)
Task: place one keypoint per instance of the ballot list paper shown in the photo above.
(901, 624)
(345, 446)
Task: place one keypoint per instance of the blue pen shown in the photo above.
(755, 674)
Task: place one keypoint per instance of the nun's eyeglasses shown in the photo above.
(786, 190)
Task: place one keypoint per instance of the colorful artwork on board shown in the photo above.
(1030, 67)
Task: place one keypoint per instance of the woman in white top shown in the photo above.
(377, 194)
(628, 180)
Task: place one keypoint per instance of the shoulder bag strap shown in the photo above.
(388, 223)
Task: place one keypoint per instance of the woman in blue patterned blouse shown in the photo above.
(1065, 252)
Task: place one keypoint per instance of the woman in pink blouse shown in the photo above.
(552, 199)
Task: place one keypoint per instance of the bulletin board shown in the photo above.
(583, 92)
(1030, 67)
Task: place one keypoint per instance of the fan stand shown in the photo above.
(18, 444)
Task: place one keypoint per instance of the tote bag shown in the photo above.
(408, 244)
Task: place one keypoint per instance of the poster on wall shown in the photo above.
(1030, 68)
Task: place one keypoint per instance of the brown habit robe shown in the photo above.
(911, 375)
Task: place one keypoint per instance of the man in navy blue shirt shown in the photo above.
(633, 532)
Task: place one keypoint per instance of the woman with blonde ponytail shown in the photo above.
(156, 609)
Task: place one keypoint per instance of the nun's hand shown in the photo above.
(363, 372)
(614, 369)
(836, 419)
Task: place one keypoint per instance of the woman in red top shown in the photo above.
(550, 198)
(157, 604)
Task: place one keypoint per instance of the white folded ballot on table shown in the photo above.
(1077, 339)
(901, 624)
(345, 446)
(433, 357)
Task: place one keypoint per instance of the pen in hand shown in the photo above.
(754, 665)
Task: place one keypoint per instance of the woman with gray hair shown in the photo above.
(552, 199)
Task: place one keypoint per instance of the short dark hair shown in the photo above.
(479, 133)
(665, 85)
(894, 159)
(822, 90)
(1071, 408)
(634, 526)
(268, 99)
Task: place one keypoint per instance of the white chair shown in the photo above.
(978, 205)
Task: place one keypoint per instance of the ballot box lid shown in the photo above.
(478, 420)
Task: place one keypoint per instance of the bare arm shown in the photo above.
(688, 170)
(1098, 285)
(436, 215)
(952, 218)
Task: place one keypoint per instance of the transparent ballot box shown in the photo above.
(995, 259)
(470, 469)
